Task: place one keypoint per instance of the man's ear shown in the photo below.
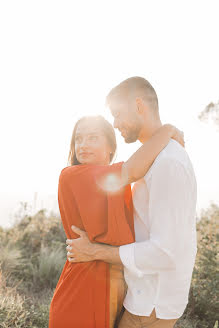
(140, 105)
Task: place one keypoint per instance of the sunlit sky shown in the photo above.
(58, 61)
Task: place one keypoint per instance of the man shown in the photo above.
(158, 266)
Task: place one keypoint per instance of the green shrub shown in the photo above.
(205, 283)
(31, 232)
(25, 247)
(187, 323)
(202, 309)
(9, 257)
(46, 272)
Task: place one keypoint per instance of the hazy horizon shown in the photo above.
(58, 62)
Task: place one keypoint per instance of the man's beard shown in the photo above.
(132, 135)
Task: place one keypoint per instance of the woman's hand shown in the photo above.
(176, 134)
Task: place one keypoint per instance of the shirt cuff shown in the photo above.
(126, 253)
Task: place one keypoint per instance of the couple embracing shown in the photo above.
(131, 252)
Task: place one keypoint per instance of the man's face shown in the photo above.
(126, 120)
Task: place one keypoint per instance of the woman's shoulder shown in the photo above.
(86, 168)
(73, 170)
(68, 171)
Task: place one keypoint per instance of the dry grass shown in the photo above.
(32, 256)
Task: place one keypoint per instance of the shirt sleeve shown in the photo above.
(170, 198)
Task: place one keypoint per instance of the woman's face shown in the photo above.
(91, 145)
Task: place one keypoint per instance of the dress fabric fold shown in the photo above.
(88, 199)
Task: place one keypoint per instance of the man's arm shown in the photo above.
(83, 250)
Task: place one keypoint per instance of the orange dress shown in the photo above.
(83, 297)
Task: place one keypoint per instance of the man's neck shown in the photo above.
(149, 131)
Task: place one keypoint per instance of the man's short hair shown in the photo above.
(131, 88)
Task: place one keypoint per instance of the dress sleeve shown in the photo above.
(67, 203)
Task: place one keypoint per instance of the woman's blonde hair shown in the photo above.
(106, 128)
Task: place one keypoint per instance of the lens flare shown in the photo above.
(110, 183)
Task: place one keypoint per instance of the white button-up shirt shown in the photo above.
(158, 266)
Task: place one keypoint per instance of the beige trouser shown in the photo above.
(119, 316)
(130, 320)
(118, 289)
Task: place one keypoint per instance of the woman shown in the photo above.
(96, 197)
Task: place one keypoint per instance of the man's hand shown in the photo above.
(80, 249)
(83, 250)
